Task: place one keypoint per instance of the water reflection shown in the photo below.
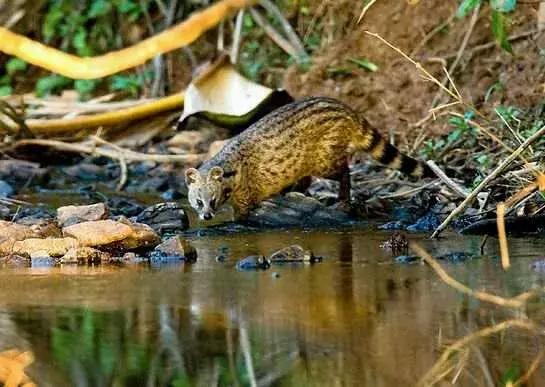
(356, 319)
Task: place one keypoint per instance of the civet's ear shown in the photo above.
(192, 176)
(215, 174)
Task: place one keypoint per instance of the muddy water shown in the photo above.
(358, 318)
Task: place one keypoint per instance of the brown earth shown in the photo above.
(395, 97)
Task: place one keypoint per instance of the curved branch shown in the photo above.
(100, 66)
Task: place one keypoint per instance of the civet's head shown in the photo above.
(205, 193)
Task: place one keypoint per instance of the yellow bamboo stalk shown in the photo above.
(58, 126)
(100, 66)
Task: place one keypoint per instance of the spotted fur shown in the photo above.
(311, 137)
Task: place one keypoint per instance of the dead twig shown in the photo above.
(500, 168)
(502, 236)
(457, 188)
(128, 155)
(459, 54)
(365, 9)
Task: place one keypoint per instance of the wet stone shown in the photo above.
(5, 189)
(296, 209)
(53, 247)
(223, 254)
(407, 258)
(4, 212)
(99, 232)
(171, 194)
(84, 255)
(293, 253)
(394, 225)
(538, 265)
(167, 217)
(175, 248)
(143, 236)
(129, 258)
(254, 262)
(14, 260)
(69, 215)
(42, 261)
(456, 256)
(428, 222)
(123, 206)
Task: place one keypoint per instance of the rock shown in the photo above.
(88, 172)
(143, 236)
(396, 244)
(5, 189)
(4, 212)
(69, 215)
(394, 225)
(171, 194)
(296, 209)
(175, 248)
(42, 260)
(53, 247)
(11, 233)
(14, 260)
(130, 258)
(293, 253)
(43, 227)
(223, 254)
(254, 262)
(85, 255)
(187, 141)
(98, 232)
(428, 222)
(407, 258)
(19, 170)
(538, 265)
(167, 217)
(456, 256)
(124, 206)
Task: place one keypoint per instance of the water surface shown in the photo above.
(357, 318)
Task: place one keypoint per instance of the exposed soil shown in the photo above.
(395, 97)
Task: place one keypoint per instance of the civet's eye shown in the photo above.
(199, 203)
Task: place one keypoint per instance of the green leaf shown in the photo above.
(466, 7)
(5, 90)
(15, 65)
(52, 20)
(499, 31)
(364, 63)
(131, 83)
(99, 8)
(51, 84)
(85, 87)
(503, 5)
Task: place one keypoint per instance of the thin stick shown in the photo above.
(457, 188)
(460, 52)
(431, 34)
(533, 367)
(488, 179)
(364, 10)
(407, 192)
(237, 37)
(502, 236)
(128, 155)
(489, 45)
(275, 36)
(286, 26)
(516, 302)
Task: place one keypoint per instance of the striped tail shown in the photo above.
(389, 155)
